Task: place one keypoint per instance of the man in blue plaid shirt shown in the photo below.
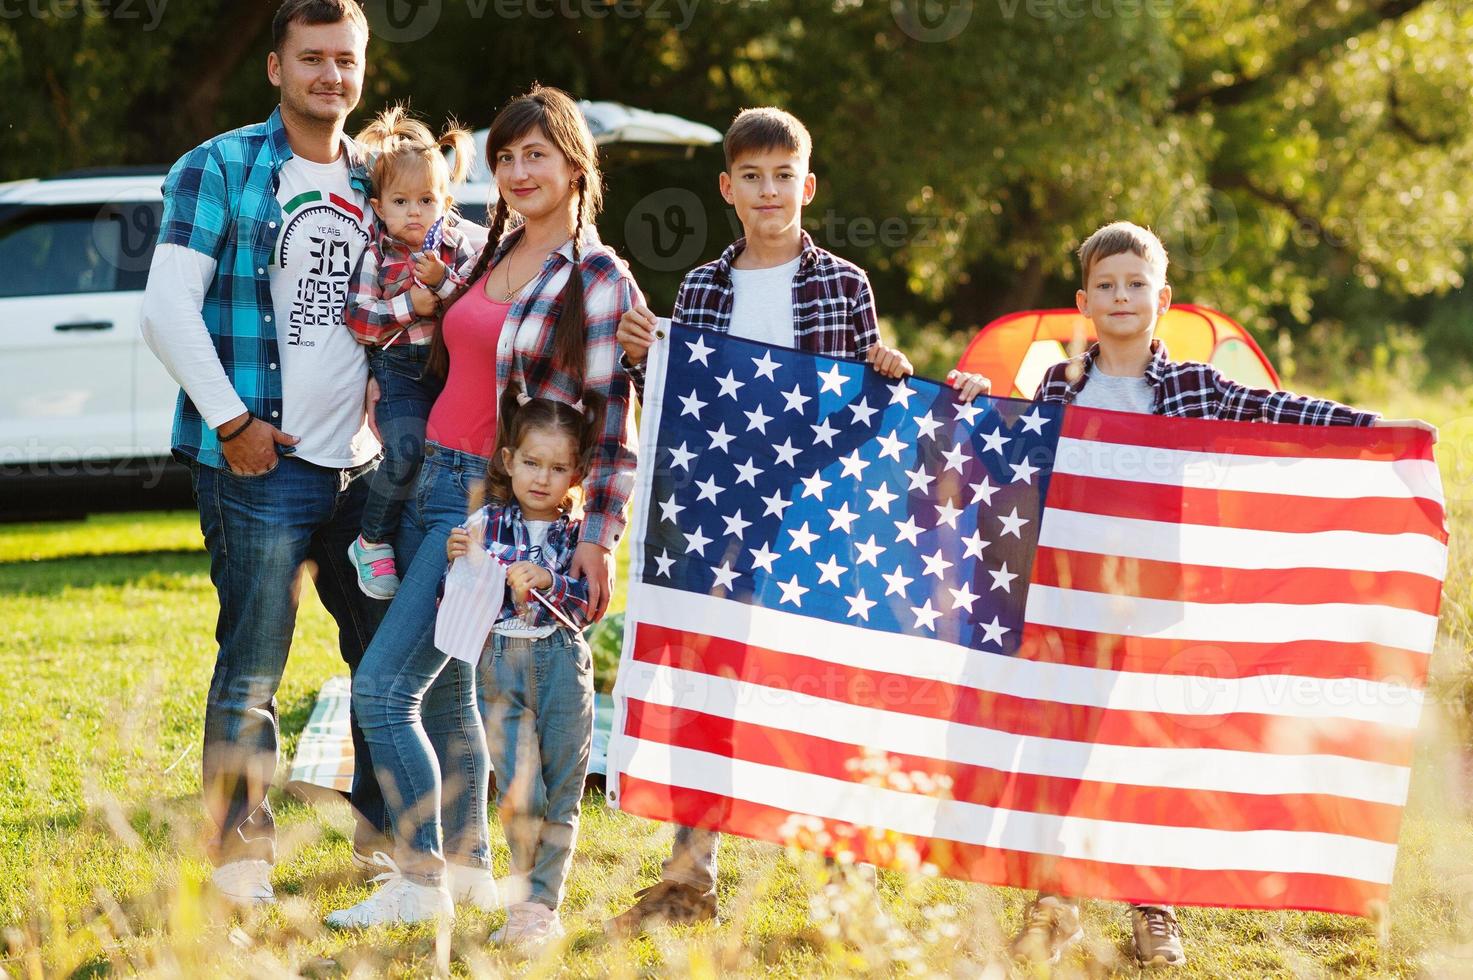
(262, 227)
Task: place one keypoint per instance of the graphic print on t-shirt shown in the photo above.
(324, 234)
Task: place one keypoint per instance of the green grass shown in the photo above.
(105, 655)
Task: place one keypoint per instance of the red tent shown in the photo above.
(1015, 350)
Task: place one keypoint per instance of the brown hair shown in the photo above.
(766, 128)
(402, 144)
(1117, 239)
(516, 420)
(314, 12)
(555, 113)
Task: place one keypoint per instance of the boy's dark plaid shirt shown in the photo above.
(833, 305)
(1187, 389)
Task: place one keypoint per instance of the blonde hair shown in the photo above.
(402, 144)
(1118, 238)
(766, 128)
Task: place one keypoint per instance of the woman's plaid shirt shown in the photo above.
(524, 356)
(1187, 389)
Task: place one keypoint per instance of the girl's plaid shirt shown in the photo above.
(1187, 389)
(524, 356)
(378, 311)
(507, 539)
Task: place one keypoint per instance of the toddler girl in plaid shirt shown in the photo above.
(393, 308)
(537, 671)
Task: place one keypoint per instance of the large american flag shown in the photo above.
(1159, 660)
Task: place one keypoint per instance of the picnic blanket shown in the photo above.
(324, 757)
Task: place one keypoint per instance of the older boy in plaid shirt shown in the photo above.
(772, 285)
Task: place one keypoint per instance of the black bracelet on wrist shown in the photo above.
(250, 417)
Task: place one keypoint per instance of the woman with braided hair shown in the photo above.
(536, 316)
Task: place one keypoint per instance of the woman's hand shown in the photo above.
(523, 577)
(968, 386)
(636, 332)
(1408, 424)
(428, 269)
(595, 564)
(425, 303)
(888, 361)
(458, 544)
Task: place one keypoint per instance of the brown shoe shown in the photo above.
(666, 901)
(1050, 926)
(1157, 936)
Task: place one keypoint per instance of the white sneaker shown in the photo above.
(245, 882)
(473, 886)
(398, 900)
(529, 925)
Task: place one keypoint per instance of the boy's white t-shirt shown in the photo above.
(1120, 393)
(324, 371)
(536, 544)
(762, 304)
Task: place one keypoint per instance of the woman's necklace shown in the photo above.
(506, 261)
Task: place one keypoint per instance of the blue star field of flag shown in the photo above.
(816, 486)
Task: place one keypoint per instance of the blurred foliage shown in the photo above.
(1306, 161)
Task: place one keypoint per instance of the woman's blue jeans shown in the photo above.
(417, 707)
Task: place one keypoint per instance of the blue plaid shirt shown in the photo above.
(507, 538)
(220, 201)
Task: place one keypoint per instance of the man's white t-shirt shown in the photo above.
(762, 304)
(324, 371)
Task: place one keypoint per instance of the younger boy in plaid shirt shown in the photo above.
(1124, 293)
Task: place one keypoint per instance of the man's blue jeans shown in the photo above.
(407, 392)
(416, 705)
(260, 531)
(537, 702)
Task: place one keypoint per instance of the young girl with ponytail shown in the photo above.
(393, 308)
(538, 311)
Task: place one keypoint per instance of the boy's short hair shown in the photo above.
(766, 128)
(314, 12)
(1118, 238)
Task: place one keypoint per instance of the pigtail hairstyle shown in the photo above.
(520, 414)
(555, 113)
